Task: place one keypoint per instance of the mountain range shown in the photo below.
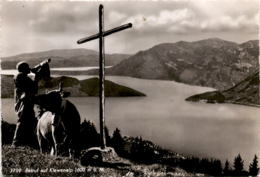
(63, 58)
(211, 62)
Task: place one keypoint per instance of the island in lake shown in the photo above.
(77, 88)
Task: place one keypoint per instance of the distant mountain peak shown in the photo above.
(215, 41)
(250, 43)
(63, 58)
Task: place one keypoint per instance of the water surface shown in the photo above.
(163, 116)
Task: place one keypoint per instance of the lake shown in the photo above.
(163, 116)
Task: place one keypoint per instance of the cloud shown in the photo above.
(240, 23)
(223, 23)
(165, 17)
(62, 18)
(59, 24)
(115, 16)
(188, 20)
(175, 16)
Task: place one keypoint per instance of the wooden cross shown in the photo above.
(101, 36)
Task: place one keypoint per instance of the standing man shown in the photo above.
(25, 91)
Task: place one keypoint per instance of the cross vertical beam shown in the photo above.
(102, 77)
(101, 35)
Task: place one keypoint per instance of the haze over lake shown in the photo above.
(163, 116)
(84, 68)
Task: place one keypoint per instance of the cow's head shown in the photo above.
(52, 100)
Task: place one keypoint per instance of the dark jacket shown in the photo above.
(25, 90)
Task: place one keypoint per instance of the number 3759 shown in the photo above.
(15, 170)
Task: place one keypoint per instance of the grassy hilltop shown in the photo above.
(32, 163)
(136, 157)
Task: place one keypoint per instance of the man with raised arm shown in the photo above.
(25, 91)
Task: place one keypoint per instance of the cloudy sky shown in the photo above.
(28, 26)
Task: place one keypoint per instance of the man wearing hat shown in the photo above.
(25, 91)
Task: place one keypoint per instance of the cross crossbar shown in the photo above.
(105, 33)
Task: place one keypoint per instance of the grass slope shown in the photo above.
(31, 163)
(136, 157)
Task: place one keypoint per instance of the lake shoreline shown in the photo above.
(165, 118)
